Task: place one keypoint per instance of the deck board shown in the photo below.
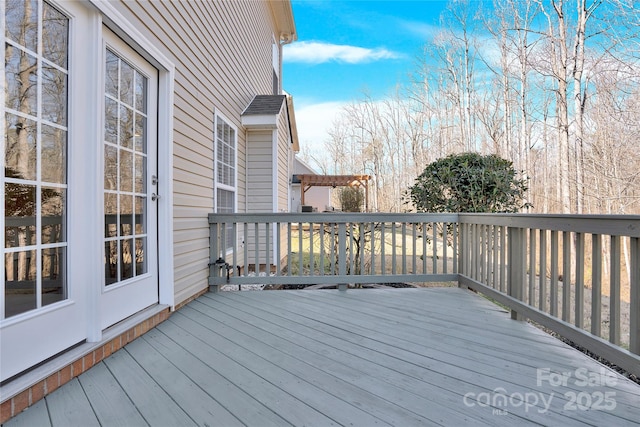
(324, 357)
(110, 402)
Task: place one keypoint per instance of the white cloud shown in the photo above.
(314, 121)
(319, 52)
(421, 29)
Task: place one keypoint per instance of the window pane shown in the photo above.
(53, 277)
(126, 83)
(20, 148)
(21, 23)
(111, 262)
(141, 262)
(126, 171)
(54, 155)
(54, 95)
(20, 211)
(141, 93)
(126, 265)
(21, 77)
(20, 282)
(141, 162)
(126, 127)
(111, 74)
(53, 215)
(141, 221)
(110, 215)
(126, 215)
(110, 167)
(110, 120)
(140, 133)
(55, 35)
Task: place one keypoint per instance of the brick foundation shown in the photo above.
(28, 397)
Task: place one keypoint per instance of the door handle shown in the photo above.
(154, 197)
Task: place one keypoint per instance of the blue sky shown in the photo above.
(347, 47)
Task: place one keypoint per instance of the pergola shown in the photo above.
(310, 180)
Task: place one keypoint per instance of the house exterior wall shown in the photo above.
(260, 171)
(223, 57)
(283, 171)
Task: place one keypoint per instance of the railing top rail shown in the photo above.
(333, 217)
(615, 225)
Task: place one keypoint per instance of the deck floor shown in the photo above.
(437, 356)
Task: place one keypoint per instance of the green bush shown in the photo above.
(469, 182)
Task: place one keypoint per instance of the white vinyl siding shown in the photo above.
(260, 171)
(223, 57)
(283, 172)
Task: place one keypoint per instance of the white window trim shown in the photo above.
(216, 184)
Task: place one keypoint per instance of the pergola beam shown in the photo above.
(310, 180)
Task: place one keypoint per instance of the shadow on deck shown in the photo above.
(437, 356)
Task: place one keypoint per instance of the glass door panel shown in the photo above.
(125, 166)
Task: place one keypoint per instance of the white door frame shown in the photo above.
(85, 190)
(128, 32)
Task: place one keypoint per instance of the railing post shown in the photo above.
(342, 253)
(516, 260)
(214, 253)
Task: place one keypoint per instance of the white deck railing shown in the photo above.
(521, 261)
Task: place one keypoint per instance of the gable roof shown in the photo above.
(263, 112)
(265, 105)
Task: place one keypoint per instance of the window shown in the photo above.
(125, 163)
(34, 102)
(225, 172)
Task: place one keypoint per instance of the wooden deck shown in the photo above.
(438, 356)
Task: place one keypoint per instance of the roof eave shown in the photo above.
(283, 14)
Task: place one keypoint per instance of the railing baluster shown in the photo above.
(351, 268)
(289, 252)
(373, 248)
(614, 292)
(245, 247)
(300, 249)
(235, 248)
(553, 296)
(503, 258)
(517, 263)
(495, 283)
(532, 267)
(256, 254)
(278, 253)
(312, 267)
(434, 247)
(424, 248)
(445, 244)
(393, 248)
(267, 261)
(579, 292)
(542, 304)
(596, 284)
(383, 245)
(476, 251)
(342, 256)
(404, 248)
(363, 242)
(566, 276)
(634, 285)
(332, 248)
(455, 248)
(322, 248)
